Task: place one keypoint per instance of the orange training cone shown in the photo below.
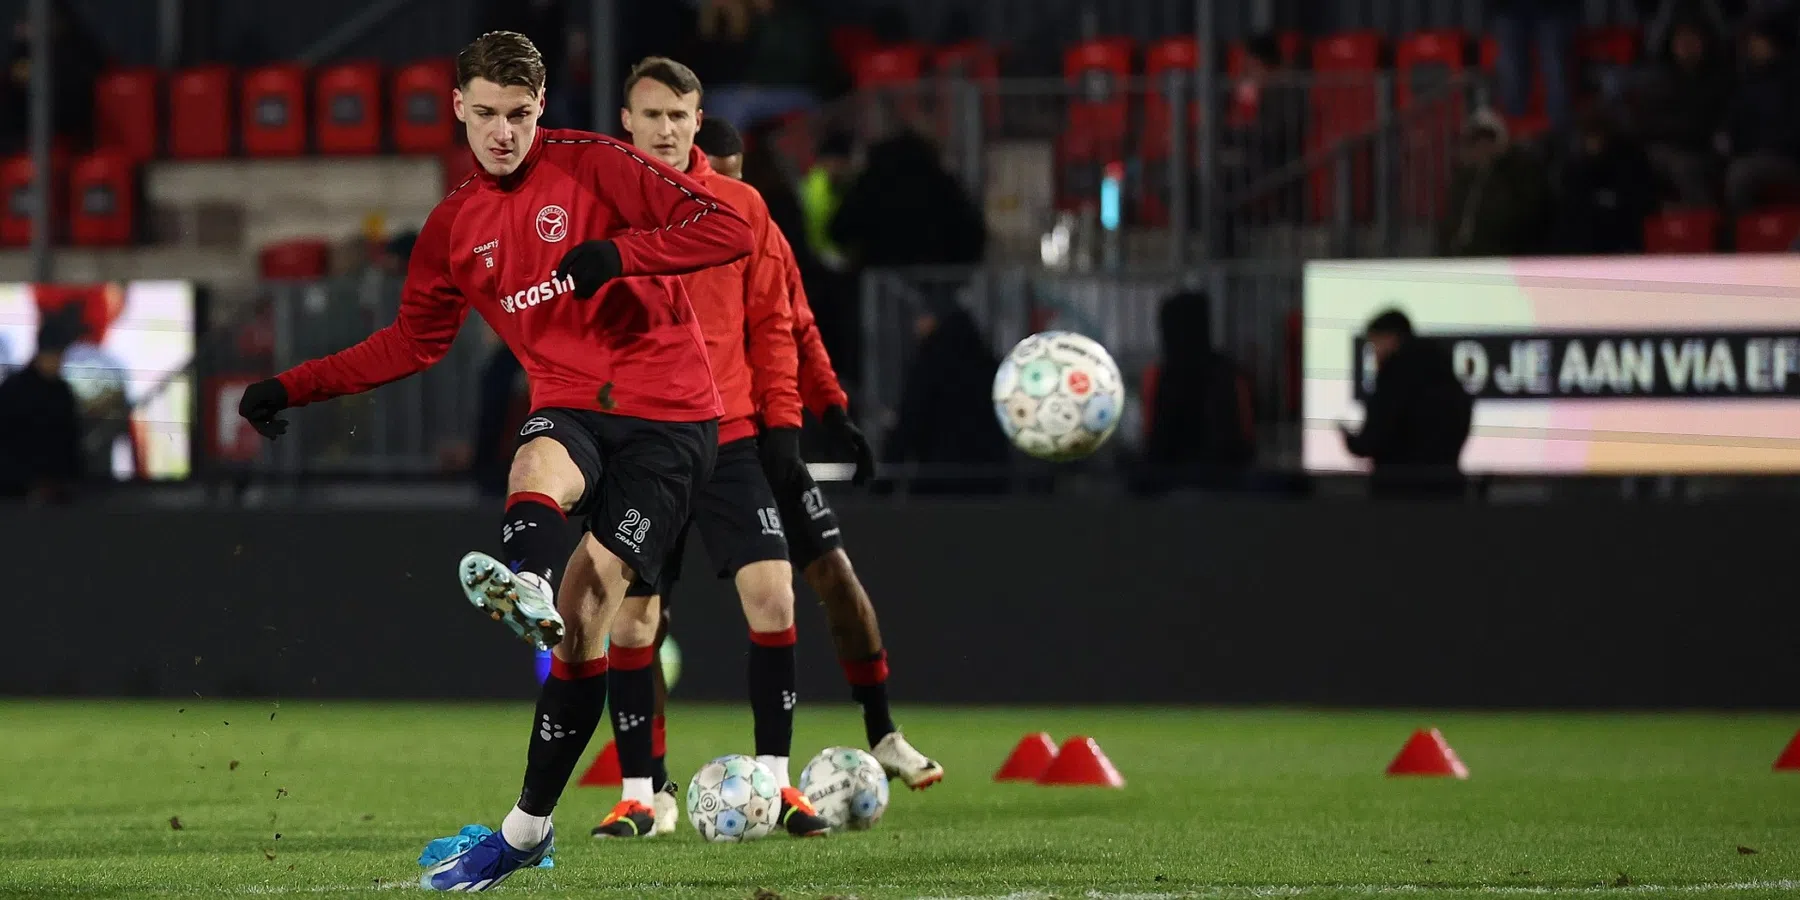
(605, 770)
(1029, 759)
(1081, 762)
(1427, 753)
(1790, 758)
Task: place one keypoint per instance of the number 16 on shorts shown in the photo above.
(771, 521)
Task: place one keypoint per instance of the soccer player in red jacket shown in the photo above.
(815, 542)
(748, 327)
(567, 244)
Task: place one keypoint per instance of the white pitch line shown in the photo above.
(1383, 890)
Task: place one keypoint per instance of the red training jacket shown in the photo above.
(634, 349)
(819, 387)
(745, 315)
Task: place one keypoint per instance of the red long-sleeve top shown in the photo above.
(819, 386)
(635, 348)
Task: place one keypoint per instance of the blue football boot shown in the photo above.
(484, 865)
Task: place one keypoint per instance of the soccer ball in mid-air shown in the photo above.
(733, 799)
(1058, 395)
(847, 787)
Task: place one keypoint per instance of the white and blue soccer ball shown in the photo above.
(733, 799)
(847, 787)
(1058, 395)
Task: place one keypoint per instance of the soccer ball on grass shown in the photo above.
(1058, 395)
(733, 799)
(847, 787)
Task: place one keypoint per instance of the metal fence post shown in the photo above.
(41, 88)
(1177, 164)
(1204, 131)
(1388, 142)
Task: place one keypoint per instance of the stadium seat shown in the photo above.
(347, 108)
(1432, 106)
(126, 105)
(1490, 55)
(974, 62)
(15, 185)
(1606, 55)
(423, 121)
(1168, 64)
(103, 200)
(1343, 107)
(1096, 73)
(850, 43)
(889, 79)
(200, 113)
(1768, 231)
(274, 110)
(296, 260)
(1682, 231)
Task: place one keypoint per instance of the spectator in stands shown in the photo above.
(1764, 124)
(946, 416)
(1547, 26)
(1607, 191)
(1202, 426)
(785, 54)
(1499, 194)
(78, 58)
(1417, 419)
(822, 190)
(1679, 110)
(40, 422)
(906, 209)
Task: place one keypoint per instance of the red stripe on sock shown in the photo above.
(658, 737)
(513, 500)
(866, 672)
(782, 638)
(564, 670)
(633, 657)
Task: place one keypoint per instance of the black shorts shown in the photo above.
(812, 528)
(640, 479)
(735, 514)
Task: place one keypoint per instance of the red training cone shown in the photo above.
(1029, 759)
(1790, 758)
(605, 770)
(1081, 762)
(1427, 753)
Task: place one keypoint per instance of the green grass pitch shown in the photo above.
(307, 799)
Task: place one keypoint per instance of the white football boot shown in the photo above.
(667, 807)
(903, 762)
(522, 600)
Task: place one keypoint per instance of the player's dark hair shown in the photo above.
(1391, 322)
(664, 71)
(718, 137)
(506, 58)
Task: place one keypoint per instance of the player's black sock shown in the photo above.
(868, 686)
(772, 692)
(569, 708)
(634, 706)
(659, 752)
(536, 537)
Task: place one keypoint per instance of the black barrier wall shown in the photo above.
(1041, 601)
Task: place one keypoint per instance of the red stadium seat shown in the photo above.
(347, 108)
(15, 186)
(1343, 104)
(1096, 73)
(297, 260)
(968, 62)
(1425, 62)
(103, 200)
(1490, 55)
(1768, 231)
(889, 79)
(200, 113)
(1291, 45)
(1682, 231)
(423, 120)
(274, 110)
(1427, 66)
(1167, 63)
(850, 43)
(126, 104)
(1605, 56)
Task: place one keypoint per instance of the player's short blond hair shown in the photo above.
(506, 58)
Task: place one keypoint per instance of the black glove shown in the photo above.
(838, 422)
(780, 452)
(592, 264)
(260, 403)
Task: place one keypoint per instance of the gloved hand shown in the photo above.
(780, 452)
(260, 403)
(592, 264)
(838, 422)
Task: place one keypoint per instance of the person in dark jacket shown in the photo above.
(1500, 203)
(1202, 428)
(1607, 191)
(1764, 123)
(1679, 109)
(946, 408)
(907, 209)
(1418, 417)
(40, 422)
